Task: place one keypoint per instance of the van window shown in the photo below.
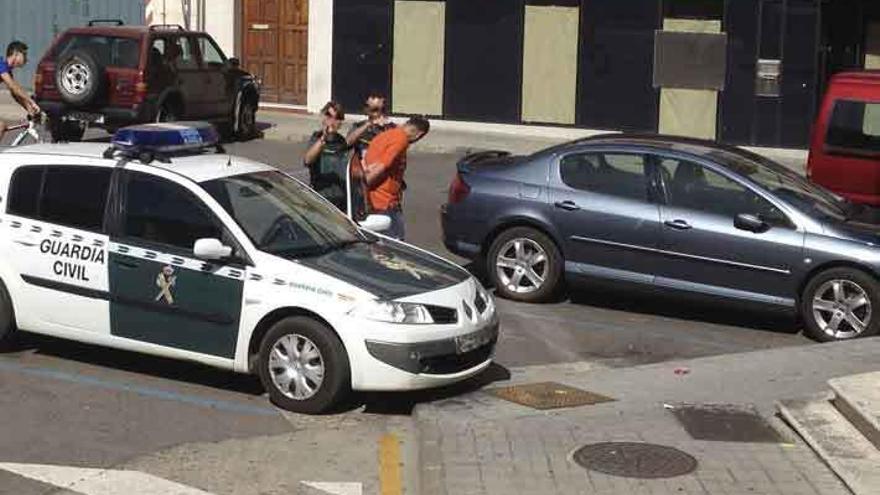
(854, 127)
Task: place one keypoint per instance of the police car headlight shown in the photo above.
(393, 312)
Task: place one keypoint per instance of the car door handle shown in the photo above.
(677, 224)
(567, 205)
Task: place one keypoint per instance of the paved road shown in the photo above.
(79, 405)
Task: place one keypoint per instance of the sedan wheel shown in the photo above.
(838, 304)
(524, 264)
(842, 308)
(304, 366)
(521, 265)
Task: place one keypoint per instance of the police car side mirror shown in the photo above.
(211, 250)
(376, 223)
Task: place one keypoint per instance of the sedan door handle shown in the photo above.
(677, 224)
(567, 205)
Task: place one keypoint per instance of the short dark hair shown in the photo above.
(420, 123)
(16, 47)
(337, 107)
(376, 94)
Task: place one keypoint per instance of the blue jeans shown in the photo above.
(398, 228)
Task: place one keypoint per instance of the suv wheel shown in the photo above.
(79, 78)
(168, 113)
(303, 366)
(524, 265)
(841, 304)
(246, 120)
(66, 131)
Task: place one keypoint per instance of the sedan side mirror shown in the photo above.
(376, 223)
(751, 223)
(211, 249)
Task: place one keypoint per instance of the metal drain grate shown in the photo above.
(635, 460)
(725, 423)
(548, 395)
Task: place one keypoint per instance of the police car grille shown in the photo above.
(442, 315)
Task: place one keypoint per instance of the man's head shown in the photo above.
(416, 128)
(16, 54)
(375, 104)
(333, 114)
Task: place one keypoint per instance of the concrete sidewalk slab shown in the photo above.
(858, 398)
(481, 444)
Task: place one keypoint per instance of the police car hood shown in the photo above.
(387, 269)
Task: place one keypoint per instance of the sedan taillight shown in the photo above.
(458, 190)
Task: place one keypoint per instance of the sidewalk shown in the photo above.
(481, 444)
(445, 136)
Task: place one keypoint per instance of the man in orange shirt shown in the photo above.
(385, 164)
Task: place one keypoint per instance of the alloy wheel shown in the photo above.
(296, 366)
(522, 265)
(842, 308)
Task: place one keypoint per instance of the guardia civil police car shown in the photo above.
(158, 245)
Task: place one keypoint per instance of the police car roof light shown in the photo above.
(149, 141)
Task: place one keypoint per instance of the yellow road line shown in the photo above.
(389, 465)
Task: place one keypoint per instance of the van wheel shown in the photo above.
(524, 265)
(841, 304)
(7, 315)
(304, 366)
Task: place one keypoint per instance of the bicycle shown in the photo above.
(30, 129)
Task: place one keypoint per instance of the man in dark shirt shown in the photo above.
(377, 122)
(327, 157)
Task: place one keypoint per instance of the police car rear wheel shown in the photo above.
(303, 366)
(7, 317)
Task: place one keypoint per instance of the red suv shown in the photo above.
(845, 144)
(113, 76)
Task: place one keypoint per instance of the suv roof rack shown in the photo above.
(118, 22)
(159, 27)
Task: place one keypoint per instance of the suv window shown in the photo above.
(855, 127)
(70, 196)
(211, 55)
(692, 186)
(616, 174)
(109, 51)
(161, 212)
(179, 53)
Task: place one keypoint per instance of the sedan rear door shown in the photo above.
(604, 210)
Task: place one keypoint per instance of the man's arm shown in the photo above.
(19, 94)
(356, 133)
(375, 172)
(314, 151)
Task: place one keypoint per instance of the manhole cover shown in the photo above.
(725, 423)
(548, 395)
(635, 460)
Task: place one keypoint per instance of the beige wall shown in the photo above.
(550, 64)
(872, 46)
(417, 67)
(689, 112)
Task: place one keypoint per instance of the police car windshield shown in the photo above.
(282, 216)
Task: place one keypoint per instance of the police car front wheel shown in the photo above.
(7, 317)
(303, 366)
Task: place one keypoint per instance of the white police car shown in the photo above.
(156, 247)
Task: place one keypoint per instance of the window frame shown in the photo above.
(116, 230)
(663, 195)
(650, 192)
(201, 54)
(104, 228)
(846, 151)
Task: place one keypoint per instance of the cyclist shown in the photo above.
(16, 56)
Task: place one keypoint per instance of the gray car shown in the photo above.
(669, 213)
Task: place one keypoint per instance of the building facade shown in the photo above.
(742, 71)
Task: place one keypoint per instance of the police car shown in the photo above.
(159, 244)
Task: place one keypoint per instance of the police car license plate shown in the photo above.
(94, 118)
(469, 342)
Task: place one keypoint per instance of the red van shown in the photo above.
(845, 143)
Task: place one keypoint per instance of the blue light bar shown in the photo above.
(165, 137)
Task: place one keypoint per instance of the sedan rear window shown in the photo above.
(854, 127)
(109, 51)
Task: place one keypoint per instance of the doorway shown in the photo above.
(276, 48)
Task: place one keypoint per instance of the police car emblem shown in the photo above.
(165, 280)
(392, 263)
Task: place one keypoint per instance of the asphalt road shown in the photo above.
(76, 405)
